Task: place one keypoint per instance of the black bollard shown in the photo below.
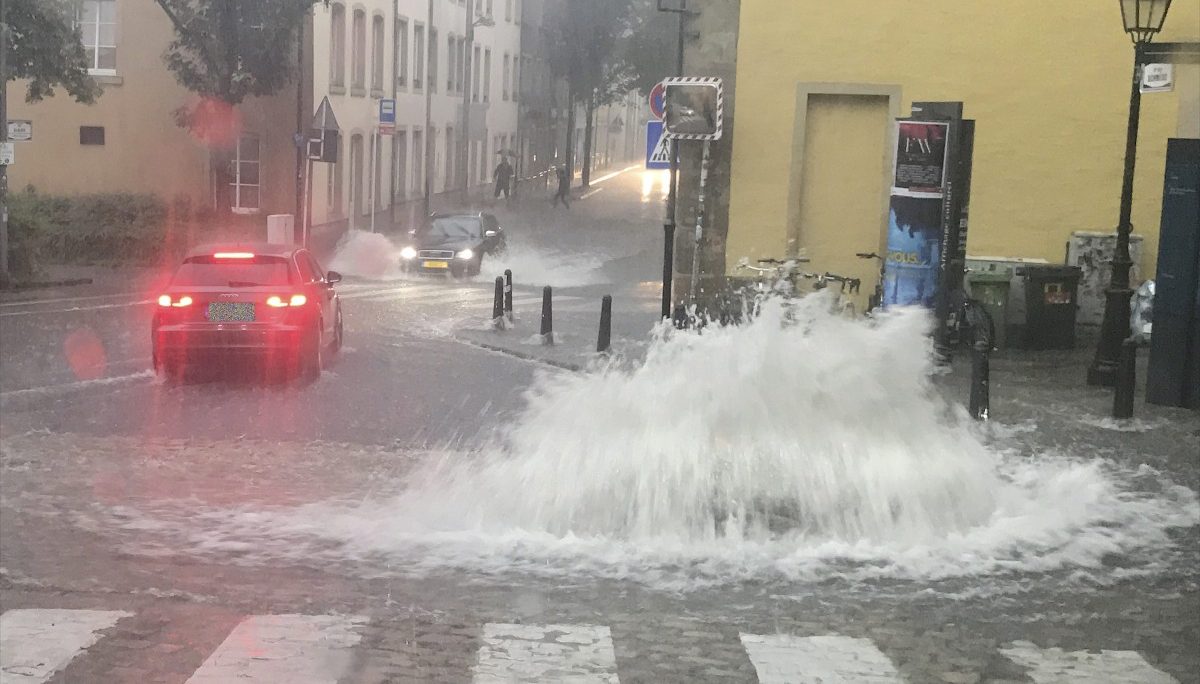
(1126, 380)
(508, 293)
(547, 317)
(679, 317)
(498, 300)
(980, 380)
(605, 336)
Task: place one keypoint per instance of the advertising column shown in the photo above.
(915, 214)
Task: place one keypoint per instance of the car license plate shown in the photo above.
(437, 264)
(230, 311)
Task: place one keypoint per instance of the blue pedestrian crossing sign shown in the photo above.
(658, 148)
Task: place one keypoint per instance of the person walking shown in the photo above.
(503, 177)
(564, 187)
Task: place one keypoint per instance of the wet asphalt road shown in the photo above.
(90, 439)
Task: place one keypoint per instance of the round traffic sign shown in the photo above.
(657, 100)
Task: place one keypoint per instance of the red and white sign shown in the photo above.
(658, 100)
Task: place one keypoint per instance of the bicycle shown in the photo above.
(875, 301)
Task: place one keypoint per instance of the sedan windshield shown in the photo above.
(211, 272)
(454, 227)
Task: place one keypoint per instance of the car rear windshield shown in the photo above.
(207, 271)
(455, 227)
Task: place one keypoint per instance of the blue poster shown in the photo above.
(914, 251)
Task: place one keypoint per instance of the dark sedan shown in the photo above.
(453, 243)
(265, 303)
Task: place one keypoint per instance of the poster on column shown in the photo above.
(915, 214)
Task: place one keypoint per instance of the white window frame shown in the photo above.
(419, 47)
(94, 30)
(358, 50)
(237, 183)
(378, 53)
(337, 45)
(401, 66)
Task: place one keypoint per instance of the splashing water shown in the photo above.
(804, 450)
(535, 266)
(367, 255)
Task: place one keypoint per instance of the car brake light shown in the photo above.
(233, 255)
(165, 300)
(295, 300)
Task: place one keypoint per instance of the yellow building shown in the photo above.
(818, 87)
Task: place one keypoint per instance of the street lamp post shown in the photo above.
(1142, 19)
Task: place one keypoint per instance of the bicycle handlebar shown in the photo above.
(867, 255)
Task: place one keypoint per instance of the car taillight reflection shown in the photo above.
(165, 300)
(279, 302)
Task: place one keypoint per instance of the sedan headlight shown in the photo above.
(465, 254)
(408, 253)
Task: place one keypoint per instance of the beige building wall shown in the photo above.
(1048, 84)
(144, 150)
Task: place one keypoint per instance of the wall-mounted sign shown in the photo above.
(20, 130)
(6, 154)
(1158, 78)
(694, 108)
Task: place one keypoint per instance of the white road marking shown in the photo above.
(545, 653)
(36, 643)
(58, 300)
(67, 387)
(297, 649)
(75, 309)
(591, 192)
(1047, 665)
(785, 659)
(614, 174)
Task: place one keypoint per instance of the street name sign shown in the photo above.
(6, 154)
(387, 117)
(20, 130)
(658, 146)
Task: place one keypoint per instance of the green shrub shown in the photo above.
(102, 228)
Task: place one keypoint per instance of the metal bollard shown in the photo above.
(498, 300)
(508, 294)
(679, 317)
(980, 380)
(1126, 380)
(547, 316)
(605, 337)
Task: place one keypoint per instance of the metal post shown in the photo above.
(305, 216)
(427, 134)
(301, 136)
(980, 380)
(4, 262)
(374, 180)
(547, 329)
(699, 235)
(498, 303)
(1115, 326)
(508, 310)
(669, 220)
(1126, 380)
(464, 144)
(605, 337)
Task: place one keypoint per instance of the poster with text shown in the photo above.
(913, 251)
(920, 157)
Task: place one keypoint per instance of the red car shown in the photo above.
(271, 304)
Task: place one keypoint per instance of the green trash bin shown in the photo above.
(1051, 302)
(991, 289)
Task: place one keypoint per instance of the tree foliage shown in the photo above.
(44, 47)
(229, 50)
(650, 46)
(584, 39)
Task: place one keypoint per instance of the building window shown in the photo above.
(418, 55)
(451, 65)
(418, 171)
(508, 10)
(433, 60)
(358, 51)
(507, 74)
(401, 65)
(333, 190)
(356, 175)
(400, 164)
(487, 74)
(449, 158)
(246, 174)
(489, 8)
(337, 47)
(475, 76)
(462, 61)
(97, 20)
(377, 53)
(91, 135)
(516, 77)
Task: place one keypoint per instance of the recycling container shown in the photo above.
(991, 289)
(1051, 305)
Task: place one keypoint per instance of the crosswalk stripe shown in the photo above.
(299, 649)
(833, 659)
(1048, 665)
(36, 643)
(441, 296)
(545, 653)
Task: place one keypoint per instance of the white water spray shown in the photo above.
(805, 450)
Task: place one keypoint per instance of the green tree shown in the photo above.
(650, 45)
(43, 47)
(585, 36)
(226, 51)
